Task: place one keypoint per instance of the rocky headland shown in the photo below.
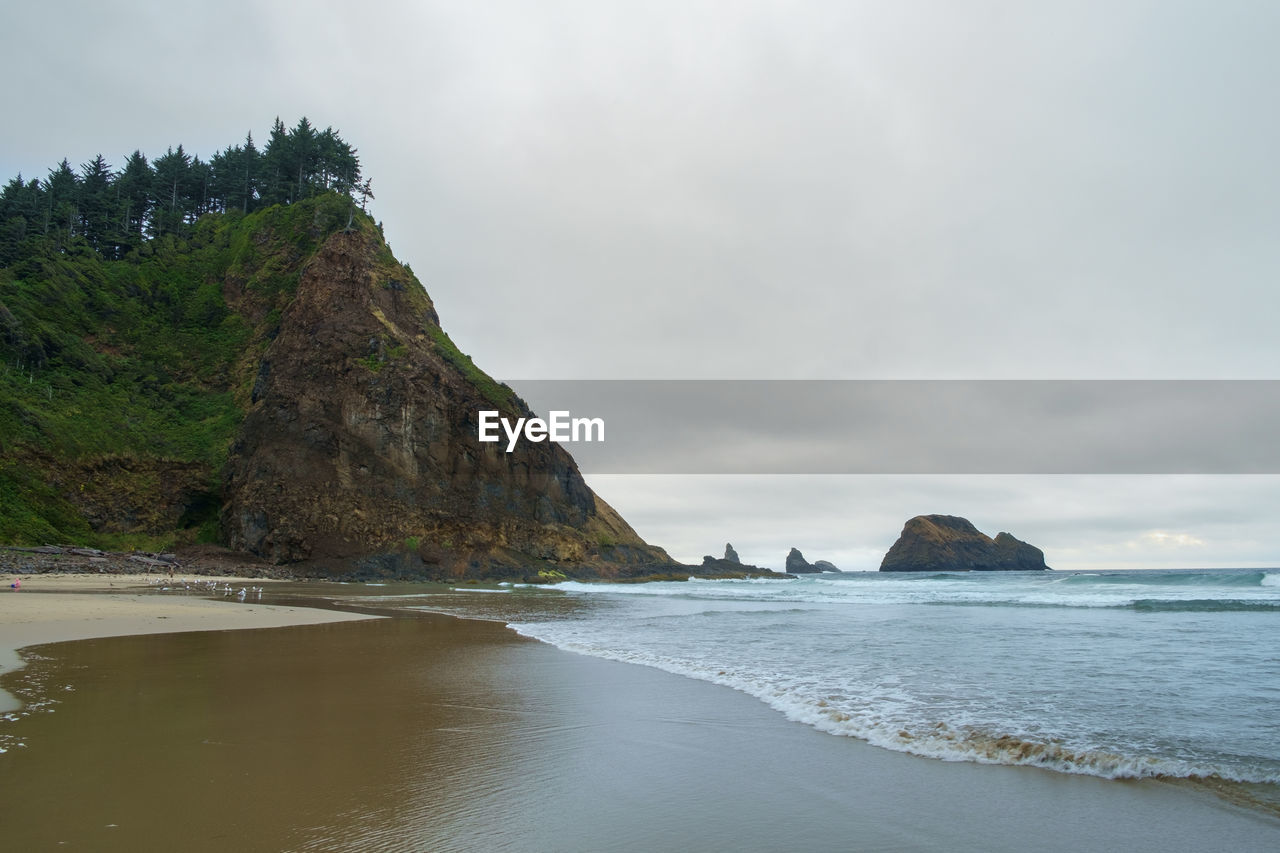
(290, 395)
(360, 448)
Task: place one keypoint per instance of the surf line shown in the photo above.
(559, 427)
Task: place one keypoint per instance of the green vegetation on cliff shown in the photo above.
(149, 358)
(134, 307)
(260, 371)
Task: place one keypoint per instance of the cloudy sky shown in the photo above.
(739, 190)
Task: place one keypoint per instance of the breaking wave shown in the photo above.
(1202, 605)
(878, 720)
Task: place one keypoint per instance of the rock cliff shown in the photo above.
(359, 449)
(947, 543)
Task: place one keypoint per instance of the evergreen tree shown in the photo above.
(20, 212)
(277, 161)
(96, 205)
(304, 159)
(250, 164)
(339, 166)
(197, 189)
(133, 185)
(169, 192)
(61, 214)
(115, 213)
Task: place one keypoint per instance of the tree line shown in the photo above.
(114, 212)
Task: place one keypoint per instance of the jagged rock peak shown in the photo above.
(798, 565)
(730, 554)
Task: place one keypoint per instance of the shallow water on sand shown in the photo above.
(1111, 674)
(428, 733)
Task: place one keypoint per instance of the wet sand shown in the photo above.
(430, 733)
(59, 607)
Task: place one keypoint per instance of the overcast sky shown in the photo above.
(769, 191)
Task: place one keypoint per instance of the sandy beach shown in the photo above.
(425, 732)
(51, 608)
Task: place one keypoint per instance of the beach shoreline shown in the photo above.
(63, 607)
(514, 727)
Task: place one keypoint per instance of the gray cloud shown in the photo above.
(747, 190)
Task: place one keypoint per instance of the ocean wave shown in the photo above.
(880, 721)
(1145, 592)
(982, 747)
(781, 579)
(1141, 605)
(1153, 577)
(1201, 605)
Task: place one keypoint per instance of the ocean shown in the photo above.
(1116, 674)
(421, 732)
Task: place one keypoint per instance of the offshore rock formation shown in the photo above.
(360, 450)
(728, 566)
(947, 543)
(718, 567)
(797, 565)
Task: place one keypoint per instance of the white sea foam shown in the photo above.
(1117, 675)
(879, 721)
(1083, 590)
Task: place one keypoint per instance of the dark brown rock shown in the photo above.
(360, 449)
(947, 543)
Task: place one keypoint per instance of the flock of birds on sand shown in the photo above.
(208, 587)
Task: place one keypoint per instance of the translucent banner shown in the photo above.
(910, 427)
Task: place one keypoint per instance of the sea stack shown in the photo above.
(728, 566)
(948, 543)
(798, 565)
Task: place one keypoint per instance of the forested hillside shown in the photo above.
(133, 307)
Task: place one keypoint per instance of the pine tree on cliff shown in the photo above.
(115, 213)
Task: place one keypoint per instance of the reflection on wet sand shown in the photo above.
(427, 733)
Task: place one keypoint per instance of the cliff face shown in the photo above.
(947, 543)
(360, 450)
(277, 382)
